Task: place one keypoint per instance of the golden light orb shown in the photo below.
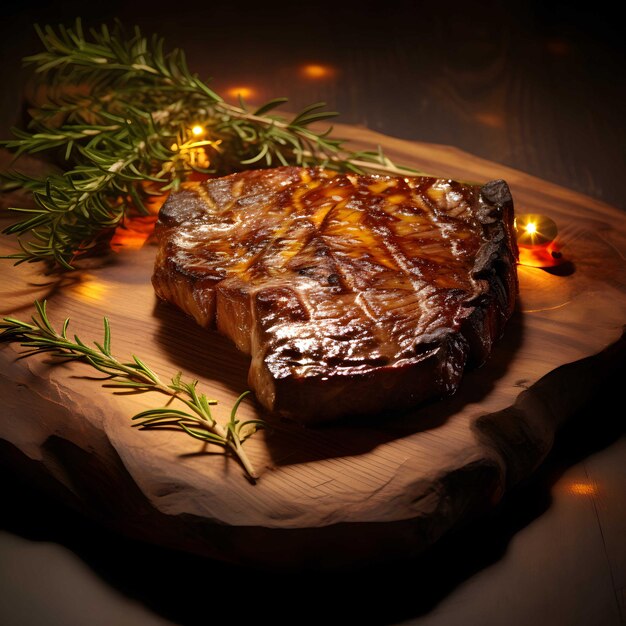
(535, 230)
(537, 241)
(583, 489)
(243, 91)
(197, 130)
(317, 71)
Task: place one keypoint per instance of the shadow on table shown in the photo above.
(186, 589)
(202, 352)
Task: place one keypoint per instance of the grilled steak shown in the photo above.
(352, 293)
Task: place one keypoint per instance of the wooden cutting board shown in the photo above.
(379, 488)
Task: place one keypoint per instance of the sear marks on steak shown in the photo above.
(352, 293)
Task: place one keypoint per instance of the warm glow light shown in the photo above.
(533, 229)
(135, 231)
(243, 92)
(583, 489)
(492, 120)
(198, 130)
(537, 240)
(317, 71)
(90, 288)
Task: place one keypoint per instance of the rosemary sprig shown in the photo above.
(119, 115)
(39, 336)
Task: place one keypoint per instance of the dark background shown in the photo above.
(536, 85)
(539, 86)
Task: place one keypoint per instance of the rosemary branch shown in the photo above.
(39, 336)
(119, 115)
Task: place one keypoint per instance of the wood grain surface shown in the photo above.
(350, 492)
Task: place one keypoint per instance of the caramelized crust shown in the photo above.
(351, 293)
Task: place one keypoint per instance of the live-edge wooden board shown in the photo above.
(356, 491)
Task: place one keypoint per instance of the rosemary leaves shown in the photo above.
(123, 114)
(39, 337)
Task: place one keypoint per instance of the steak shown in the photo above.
(353, 294)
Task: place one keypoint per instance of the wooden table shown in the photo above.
(535, 91)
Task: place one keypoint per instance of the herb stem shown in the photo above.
(135, 376)
(129, 123)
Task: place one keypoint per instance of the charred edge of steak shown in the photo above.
(495, 270)
(447, 353)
